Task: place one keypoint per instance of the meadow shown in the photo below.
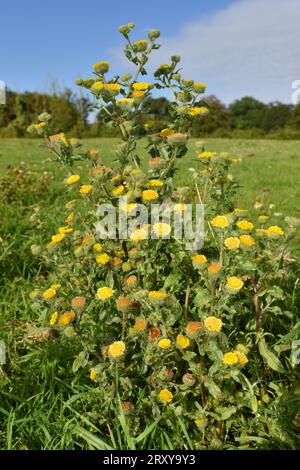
(43, 403)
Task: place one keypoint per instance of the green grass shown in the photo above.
(266, 165)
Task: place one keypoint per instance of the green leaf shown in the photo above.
(80, 361)
(171, 279)
(91, 439)
(269, 357)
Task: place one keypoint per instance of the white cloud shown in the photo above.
(250, 48)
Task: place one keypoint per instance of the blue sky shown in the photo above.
(238, 47)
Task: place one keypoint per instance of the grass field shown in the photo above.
(45, 407)
(272, 166)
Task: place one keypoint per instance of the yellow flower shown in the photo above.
(244, 225)
(220, 222)
(234, 284)
(232, 243)
(275, 232)
(59, 137)
(138, 94)
(182, 341)
(139, 234)
(101, 67)
(113, 88)
(105, 293)
(166, 132)
(214, 270)
(116, 349)
(70, 204)
(70, 218)
(201, 423)
(78, 302)
(72, 179)
(93, 374)
(103, 258)
(66, 318)
(97, 247)
(242, 358)
(161, 229)
(199, 261)
(129, 207)
(140, 45)
(180, 207)
(140, 325)
(165, 396)
(206, 155)
(149, 195)
(230, 358)
(164, 343)
(53, 318)
(57, 238)
(40, 125)
(198, 111)
(213, 324)
(141, 86)
(118, 190)
(49, 293)
(247, 241)
(85, 189)
(199, 87)
(157, 296)
(64, 230)
(155, 183)
(97, 86)
(193, 328)
(131, 281)
(125, 103)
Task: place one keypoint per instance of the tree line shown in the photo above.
(246, 117)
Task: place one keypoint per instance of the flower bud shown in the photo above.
(44, 117)
(140, 46)
(101, 67)
(154, 34)
(126, 77)
(177, 139)
(189, 379)
(188, 82)
(176, 76)
(175, 58)
(35, 250)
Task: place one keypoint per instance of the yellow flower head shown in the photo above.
(138, 94)
(49, 293)
(105, 293)
(275, 232)
(140, 325)
(182, 341)
(193, 328)
(199, 87)
(102, 258)
(34, 294)
(244, 225)
(247, 241)
(58, 237)
(66, 318)
(118, 190)
(138, 235)
(116, 349)
(199, 261)
(242, 358)
(141, 45)
(164, 343)
(129, 207)
(131, 281)
(85, 189)
(234, 284)
(149, 195)
(97, 247)
(125, 103)
(214, 270)
(263, 218)
(201, 423)
(93, 374)
(72, 179)
(78, 302)
(53, 318)
(232, 243)
(70, 218)
(55, 286)
(157, 296)
(198, 111)
(112, 88)
(213, 324)
(166, 132)
(206, 155)
(64, 230)
(161, 229)
(240, 212)
(165, 396)
(141, 86)
(155, 183)
(101, 67)
(230, 359)
(180, 207)
(220, 222)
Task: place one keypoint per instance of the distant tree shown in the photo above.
(246, 113)
(276, 116)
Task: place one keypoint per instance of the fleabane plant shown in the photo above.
(163, 332)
